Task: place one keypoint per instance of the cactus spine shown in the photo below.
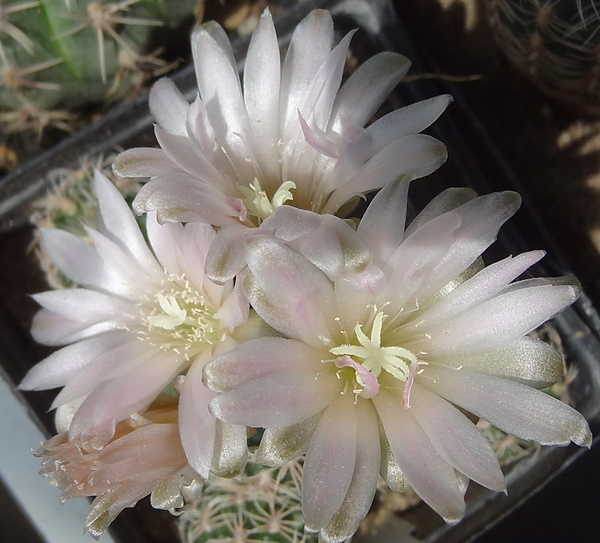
(556, 43)
(67, 53)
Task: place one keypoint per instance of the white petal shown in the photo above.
(367, 88)
(119, 223)
(169, 107)
(528, 360)
(515, 408)
(58, 368)
(262, 76)
(499, 321)
(383, 222)
(410, 119)
(143, 162)
(445, 201)
(330, 462)
(309, 48)
(416, 156)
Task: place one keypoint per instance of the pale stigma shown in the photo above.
(257, 202)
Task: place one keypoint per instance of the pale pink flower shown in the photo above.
(289, 136)
(375, 381)
(138, 320)
(144, 457)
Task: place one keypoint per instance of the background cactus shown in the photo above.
(263, 504)
(555, 43)
(58, 56)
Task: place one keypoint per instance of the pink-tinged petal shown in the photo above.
(197, 425)
(382, 224)
(456, 439)
(486, 284)
(432, 478)
(119, 224)
(408, 266)
(290, 223)
(177, 196)
(260, 357)
(528, 360)
(61, 366)
(416, 156)
(444, 202)
(262, 76)
(366, 379)
(288, 292)
(410, 119)
(169, 107)
(226, 257)
(281, 445)
(162, 241)
(499, 321)
(143, 162)
(309, 48)
(277, 400)
(116, 400)
(76, 258)
(515, 408)
(367, 88)
(361, 492)
(330, 462)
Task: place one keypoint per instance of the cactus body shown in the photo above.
(556, 43)
(66, 53)
(263, 504)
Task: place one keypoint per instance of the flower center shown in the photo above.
(257, 202)
(180, 319)
(369, 358)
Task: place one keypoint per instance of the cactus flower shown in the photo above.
(144, 457)
(378, 381)
(289, 136)
(139, 320)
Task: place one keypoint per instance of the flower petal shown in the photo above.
(515, 408)
(169, 107)
(330, 463)
(277, 400)
(456, 439)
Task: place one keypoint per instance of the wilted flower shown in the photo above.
(144, 457)
(375, 382)
(288, 136)
(139, 320)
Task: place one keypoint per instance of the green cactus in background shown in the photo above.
(555, 43)
(63, 54)
(263, 504)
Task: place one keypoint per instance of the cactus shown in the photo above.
(263, 504)
(555, 43)
(68, 53)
